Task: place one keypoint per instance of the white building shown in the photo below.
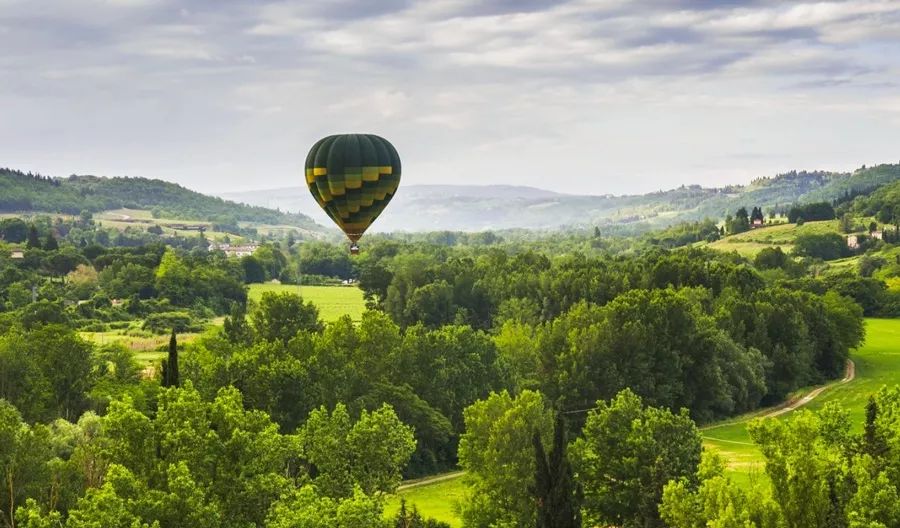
(230, 250)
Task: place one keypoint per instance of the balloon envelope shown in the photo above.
(353, 177)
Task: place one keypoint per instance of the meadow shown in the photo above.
(332, 301)
(437, 500)
(749, 243)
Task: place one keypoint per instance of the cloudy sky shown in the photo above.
(582, 96)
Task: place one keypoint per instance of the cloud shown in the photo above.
(517, 88)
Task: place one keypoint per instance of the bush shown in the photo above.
(162, 323)
(828, 246)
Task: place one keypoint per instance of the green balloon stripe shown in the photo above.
(353, 177)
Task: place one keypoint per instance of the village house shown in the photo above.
(853, 241)
(878, 235)
(235, 250)
(17, 254)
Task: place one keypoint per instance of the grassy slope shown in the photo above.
(332, 301)
(877, 364)
(752, 242)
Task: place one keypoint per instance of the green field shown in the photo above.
(436, 500)
(332, 301)
(877, 364)
(752, 242)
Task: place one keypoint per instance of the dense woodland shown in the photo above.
(566, 374)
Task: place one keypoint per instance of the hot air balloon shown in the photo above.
(353, 177)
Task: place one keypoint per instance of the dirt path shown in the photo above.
(429, 480)
(788, 406)
(849, 374)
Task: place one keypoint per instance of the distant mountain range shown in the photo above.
(497, 207)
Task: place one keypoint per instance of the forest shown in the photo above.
(568, 375)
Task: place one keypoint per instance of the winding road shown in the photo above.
(786, 407)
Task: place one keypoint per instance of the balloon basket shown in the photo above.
(354, 249)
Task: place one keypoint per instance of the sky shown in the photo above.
(581, 96)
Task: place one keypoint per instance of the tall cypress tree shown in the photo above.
(558, 496)
(34, 239)
(170, 367)
(50, 243)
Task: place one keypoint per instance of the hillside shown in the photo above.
(476, 208)
(26, 192)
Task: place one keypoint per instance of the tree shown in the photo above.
(170, 368)
(627, 454)
(306, 508)
(827, 246)
(846, 223)
(280, 316)
(34, 238)
(717, 501)
(803, 462)
(557, 495)
(771, 258)
(235, 326)
(13, 230)
(413, 519)
(50, 243)
(368, 454)
(497, 452)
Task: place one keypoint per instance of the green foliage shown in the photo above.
(829, 246)
(811, 212)
(557, 495)
(304, 508)
(717, 501)
(27, 192)
(883, 204)
(366, 455)
(627, 454)
(498, 455)
(771, 258)
(279, 317)
(164, 322)
(412, 519)
(46, 372)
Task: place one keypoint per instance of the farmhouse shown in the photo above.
(853, 241)
(234, 250)
(17, 254)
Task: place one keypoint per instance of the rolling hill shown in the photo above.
(476, 208)
(26, 192)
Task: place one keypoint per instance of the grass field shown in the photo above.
(436, 500)
(332, 301)
(752, 242)
(877, 364)
(142, 219)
